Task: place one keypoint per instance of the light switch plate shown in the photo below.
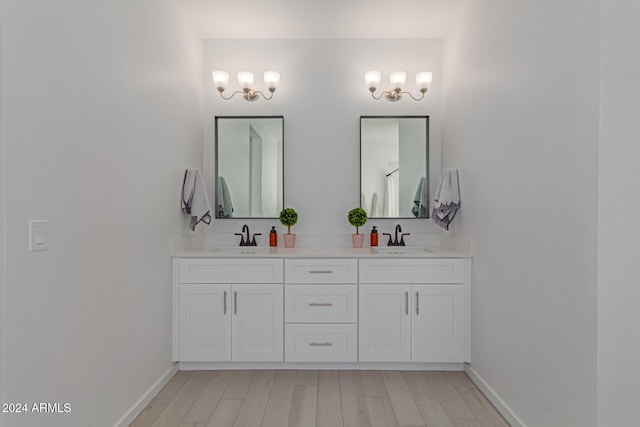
(38, 235)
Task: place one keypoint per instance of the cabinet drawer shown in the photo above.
(230, 270)
(321, 343)
(321, 271)
(433, 270)
(321, 303)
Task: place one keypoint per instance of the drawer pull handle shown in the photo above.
(320, 271)
(321, 344)
(406, 303)
(225, 302)
(320, 304)
(235, 302)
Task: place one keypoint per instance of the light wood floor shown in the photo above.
(319, 398)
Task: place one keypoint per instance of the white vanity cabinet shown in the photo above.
(329, 309)
(321, 303)
(228, 310)
(413, 310)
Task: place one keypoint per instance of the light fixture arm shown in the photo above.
(373, 93)
(271, 90)
(220, 90)
(422, 91)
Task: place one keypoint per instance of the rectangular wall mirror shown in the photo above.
(394, 166)
(249, 167)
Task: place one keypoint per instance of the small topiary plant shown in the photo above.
(357, 217)
(288, 218)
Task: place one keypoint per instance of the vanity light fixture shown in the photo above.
(397, 79)
(245, 79)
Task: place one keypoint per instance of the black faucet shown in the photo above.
(395, 241)
(248, 241)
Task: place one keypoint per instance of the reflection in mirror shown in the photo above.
(249, 165)
(394, 162)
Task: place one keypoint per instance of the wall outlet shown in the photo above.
(38, 235)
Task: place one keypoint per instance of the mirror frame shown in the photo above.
(215, 168)
(427, 165)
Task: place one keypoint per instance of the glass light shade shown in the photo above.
(423, 80)
(220, 79)
(272, 79)
(372, 79)
(245, 79)
(398, 78)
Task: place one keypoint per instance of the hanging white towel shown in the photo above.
(225, 206)
(194, 198)
(447, 199)
(374, 206)
(391, 205)
(419, 209)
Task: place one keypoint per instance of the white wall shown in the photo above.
(619, 210)
(102, 109)
(322, 95)
(521, 124)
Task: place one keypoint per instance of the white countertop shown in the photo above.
(319, 252)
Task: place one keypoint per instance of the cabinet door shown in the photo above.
(437, 325)
(384, 323)
(204, 323)
(258, 323)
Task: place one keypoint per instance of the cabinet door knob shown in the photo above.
(225, 302)
(417, 303)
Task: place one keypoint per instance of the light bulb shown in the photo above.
(397, 79)
(423, 80)
(245, 79)
(220, 79)
(272, 79)
(372, 79)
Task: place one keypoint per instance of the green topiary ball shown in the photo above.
(288, 217)
(357, 217)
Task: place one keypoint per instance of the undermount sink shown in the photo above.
(243, 250)
(400, 250)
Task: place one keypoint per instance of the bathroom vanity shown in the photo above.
(321, 308)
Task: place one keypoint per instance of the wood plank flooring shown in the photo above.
(319, 399)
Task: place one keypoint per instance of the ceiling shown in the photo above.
(322, 18)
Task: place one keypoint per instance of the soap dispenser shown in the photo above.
(374, 236)
(273, 237)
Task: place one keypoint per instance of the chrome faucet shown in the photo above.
(395, 241)
(248, 241)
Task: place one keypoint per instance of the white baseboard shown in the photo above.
(336, 366)
(493, 397)
(139, 406)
